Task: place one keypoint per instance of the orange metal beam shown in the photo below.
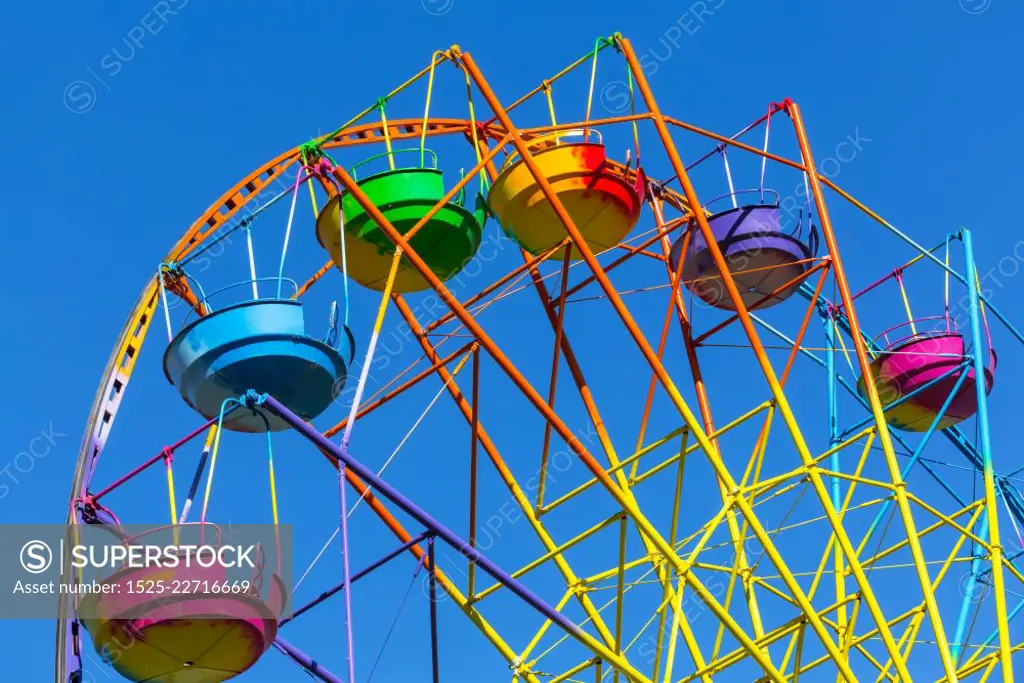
(559, 325)
(723, 268)
(871, 390)
(762, 301)
(609, 484)
(466, 408)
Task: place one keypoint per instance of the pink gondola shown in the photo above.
(908, 364)
(150, 629)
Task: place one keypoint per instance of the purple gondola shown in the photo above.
(762, 256)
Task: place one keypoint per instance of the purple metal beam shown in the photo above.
(306, 662)
(350, 656)
(355, 577)
(421, 516)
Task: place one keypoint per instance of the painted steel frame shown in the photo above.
(738, 497)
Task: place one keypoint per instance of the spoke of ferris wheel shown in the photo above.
(392, 494)
(394, 453)
(516, 491)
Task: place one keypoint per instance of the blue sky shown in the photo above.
(123, 123)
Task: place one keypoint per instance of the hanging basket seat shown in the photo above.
(910, 364)
(174, 636)
(762, 257)
(602, 203)
(260, 345)
(447, 241)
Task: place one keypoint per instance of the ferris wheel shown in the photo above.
(614, 429)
